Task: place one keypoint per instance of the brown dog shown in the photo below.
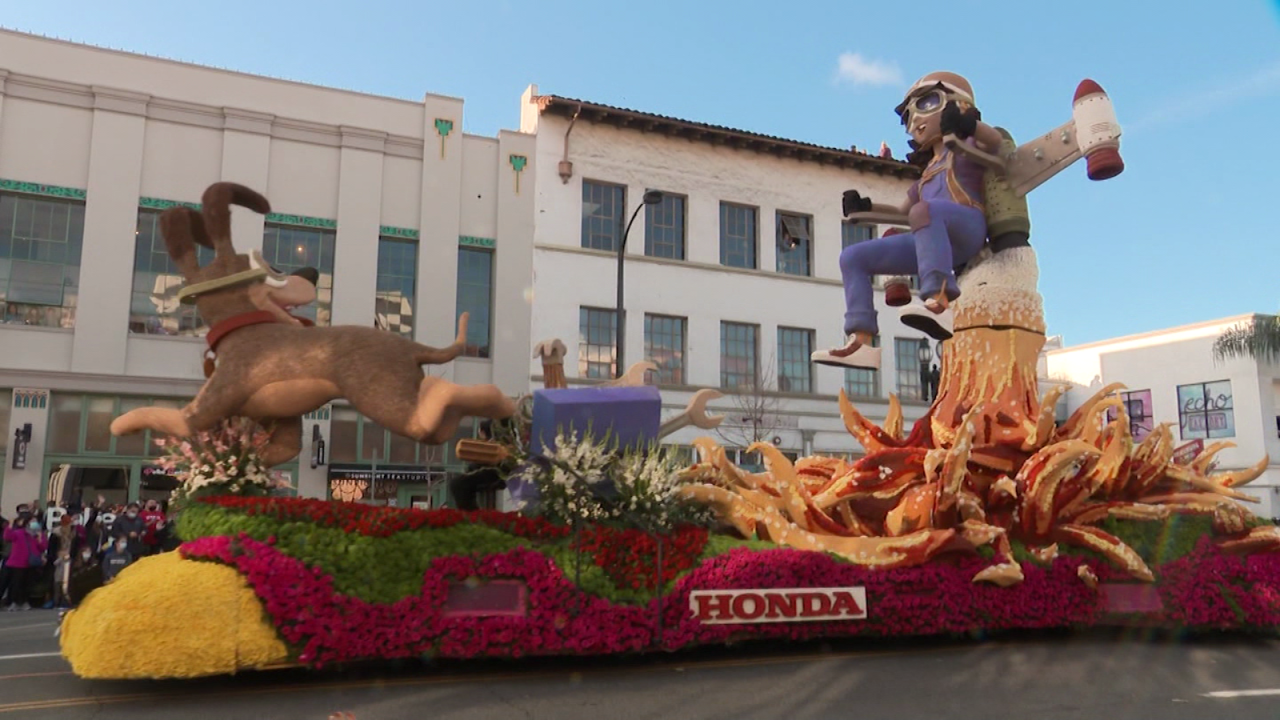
(271, 368)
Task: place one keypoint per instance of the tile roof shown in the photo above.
(721, 135)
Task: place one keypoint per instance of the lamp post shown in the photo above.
(924, 354)
(651, 197)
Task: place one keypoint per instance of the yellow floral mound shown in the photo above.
(166, 617)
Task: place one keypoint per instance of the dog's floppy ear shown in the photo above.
(217, 202)
(182, 228)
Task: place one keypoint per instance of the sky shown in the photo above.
(1188, 233)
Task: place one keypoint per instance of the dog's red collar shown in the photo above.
(221, 330)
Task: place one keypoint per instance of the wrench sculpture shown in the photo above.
(695, 414)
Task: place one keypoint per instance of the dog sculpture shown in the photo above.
(267, 365)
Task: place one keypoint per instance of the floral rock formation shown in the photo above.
(986, 465)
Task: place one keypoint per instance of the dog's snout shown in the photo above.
(309, 274)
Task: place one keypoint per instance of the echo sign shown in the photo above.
(724, 607)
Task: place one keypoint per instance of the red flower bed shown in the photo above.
(629, 557)
(327, 627)
(384, 521)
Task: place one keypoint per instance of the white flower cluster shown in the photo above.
(225, 460)
(587, 481)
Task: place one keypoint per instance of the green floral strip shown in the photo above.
(390, 231)
(480, 242)
(303, 221)
(37, 189)
(161, 204)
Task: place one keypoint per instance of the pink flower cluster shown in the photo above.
(327, 627)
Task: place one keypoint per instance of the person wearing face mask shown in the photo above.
(86, 576)
(117, 559)
(27, 543)
(152, 518)
(131, 527)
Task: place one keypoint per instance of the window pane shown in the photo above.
(596, 343)
(97, 434)
(664, 339)
(154, 308)
(794, 241)
(475, 296)
(738, 367)
(288, 248)
(40, 241)
(403, 450)
(664, 228)
(1206, 410)
(374, 442)
(603, 207)
(6, 408)
(133, 445)
(397, 285)
(64, 423)
(795, 345)
(342, 435)
(854, 233)
(737, 236)
(907, 360)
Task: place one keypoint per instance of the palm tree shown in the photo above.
(1258, 339)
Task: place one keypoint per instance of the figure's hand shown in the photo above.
(854, 202)
(962, 124)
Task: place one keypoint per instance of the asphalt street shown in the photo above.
(1116, 674)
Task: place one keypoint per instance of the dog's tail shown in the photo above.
(427, 355)
(216, 206)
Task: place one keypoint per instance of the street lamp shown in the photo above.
(651, 197)
(924, 354)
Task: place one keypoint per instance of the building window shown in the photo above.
(739, 352)
(738, 236)
(354, 438)
(664, 228)
(603, 207)
(6, 408)
(795, 371)
(1205, 410)
(475, 296)
(1137, 405)
(597, 341)
(397, 285)
(287, 248)
(854, 233)
(664, 341)
(81, 424)
(863, 382)
(40, 242)
(906, 352)
(154, 308)
(794, 243)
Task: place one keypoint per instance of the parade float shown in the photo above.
(986, 515)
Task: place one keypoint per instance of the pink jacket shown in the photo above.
(22, 545)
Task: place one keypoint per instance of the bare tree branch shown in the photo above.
(757, 410)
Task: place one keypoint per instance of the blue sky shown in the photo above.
(1188, 233)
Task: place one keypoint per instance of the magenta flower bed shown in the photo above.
(1204, 590)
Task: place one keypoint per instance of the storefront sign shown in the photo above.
(725, 607)
(1184, 454)
(362, 483)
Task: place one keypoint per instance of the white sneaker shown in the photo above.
(928, 318)
(850, 355)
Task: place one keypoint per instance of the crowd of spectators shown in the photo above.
(53, 557)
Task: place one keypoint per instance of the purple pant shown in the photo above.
(955, 234)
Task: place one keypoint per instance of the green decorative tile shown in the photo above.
(37, 189)
(390, 231)
(161, 204)
(518, 163)
(480, 242)
(302, 221)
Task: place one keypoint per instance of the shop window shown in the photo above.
(64, 424)
(81, 424)
(288, 248)
(97, 430)
(40, 244)
(344, 432)
(397, 285)
(475, 296)
(154, 308)
(1205, 410)
(357, 439)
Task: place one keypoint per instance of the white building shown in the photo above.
(407, 218)
(710, 296)
(410, 221)
(1171, 376)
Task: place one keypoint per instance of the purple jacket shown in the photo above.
(22, 545)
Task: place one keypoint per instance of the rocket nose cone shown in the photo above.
(1087, 87)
